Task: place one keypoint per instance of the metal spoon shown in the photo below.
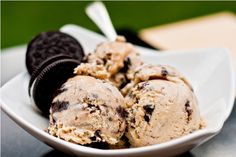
(97, 12)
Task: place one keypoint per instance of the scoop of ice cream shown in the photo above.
(113, 61)
(159, 111)
(161, 106)
(87, 110)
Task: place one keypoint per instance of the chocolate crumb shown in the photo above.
(126, 129)
(90, 105)
(93, 107)
(124, 82)
(93, 138)
(53, 121)
(164, 72)
(126, 140)
(122, 112)
(149, 108)
(188, 109)
(146, 118)
(59, 106)
(132, 120)
(127, 62)
(136, 100)
(110, 119)
(109, 55)
(104, 61)
(97, 133)
(92, 111)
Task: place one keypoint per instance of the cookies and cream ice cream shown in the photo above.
(118, 100)
(161, 106)
(87, 110)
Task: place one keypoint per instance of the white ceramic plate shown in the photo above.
(210, 71)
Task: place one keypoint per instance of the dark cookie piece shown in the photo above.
(49, 80)
(164, 72)
(124, 82)
(97, 133)
(93, 138)
(126, 141)
(149, 108)
(146, 118)
(43, 65)
(96, 141)
(188, 109)
(122, 112)
(49, 44)
(59, 106)
(127, 63)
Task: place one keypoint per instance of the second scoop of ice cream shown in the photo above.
(162, 106)
(87, 110)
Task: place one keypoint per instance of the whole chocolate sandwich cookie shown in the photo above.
(48, 44)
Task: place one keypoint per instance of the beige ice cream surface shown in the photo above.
(161, 106)
(87, 110)
(159, 111)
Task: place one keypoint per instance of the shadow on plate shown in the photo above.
(187, 154)
(55, 153)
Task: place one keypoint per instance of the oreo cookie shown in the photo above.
(48, 44)
(43, 65)
(49, 79)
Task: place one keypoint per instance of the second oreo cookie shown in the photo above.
(43, 65)
(45, 86)
(48, 44)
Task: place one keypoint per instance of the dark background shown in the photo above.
(20, 21)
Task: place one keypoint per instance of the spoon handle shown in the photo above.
(99, 15)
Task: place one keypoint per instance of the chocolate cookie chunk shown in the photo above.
(48, 44)
(49, 79)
